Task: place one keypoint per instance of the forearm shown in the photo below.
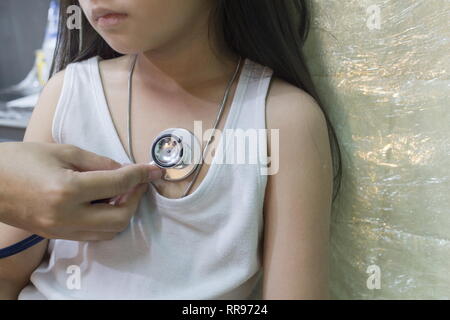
(15, 271)
(8, 205)
(9, 291)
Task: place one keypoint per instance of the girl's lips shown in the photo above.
(110, 19)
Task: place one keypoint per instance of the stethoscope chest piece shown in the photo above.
(178, 151)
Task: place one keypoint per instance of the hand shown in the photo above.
(49, 190)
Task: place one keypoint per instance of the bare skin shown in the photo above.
(178, 80)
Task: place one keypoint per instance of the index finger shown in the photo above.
(84, 160)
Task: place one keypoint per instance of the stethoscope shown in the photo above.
(176, 150)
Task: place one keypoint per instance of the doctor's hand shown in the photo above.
(54, 190)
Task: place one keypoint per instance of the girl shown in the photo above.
(215, 240)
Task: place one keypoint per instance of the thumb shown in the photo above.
(140, 173)
(111, 183)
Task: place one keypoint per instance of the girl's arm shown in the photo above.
(15, 271)
(298, 198)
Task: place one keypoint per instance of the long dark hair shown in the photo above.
(270, 32)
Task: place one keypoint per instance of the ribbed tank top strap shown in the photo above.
(63, 103)
(253, 110)
(255, 96)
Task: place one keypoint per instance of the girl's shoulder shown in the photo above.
(40, 125)
(295, 113)
(54, 91)
(285, 99)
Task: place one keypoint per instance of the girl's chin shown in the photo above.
(122, 44)
(124, 48)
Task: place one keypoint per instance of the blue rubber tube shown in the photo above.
(20, 246)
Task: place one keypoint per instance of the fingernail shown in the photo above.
(155, 174)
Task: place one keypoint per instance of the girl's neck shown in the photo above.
(188, 63)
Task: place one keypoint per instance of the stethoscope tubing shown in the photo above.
(20, 246)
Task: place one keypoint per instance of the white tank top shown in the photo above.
(207, 245)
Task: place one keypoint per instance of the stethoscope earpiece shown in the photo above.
(178, 151)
